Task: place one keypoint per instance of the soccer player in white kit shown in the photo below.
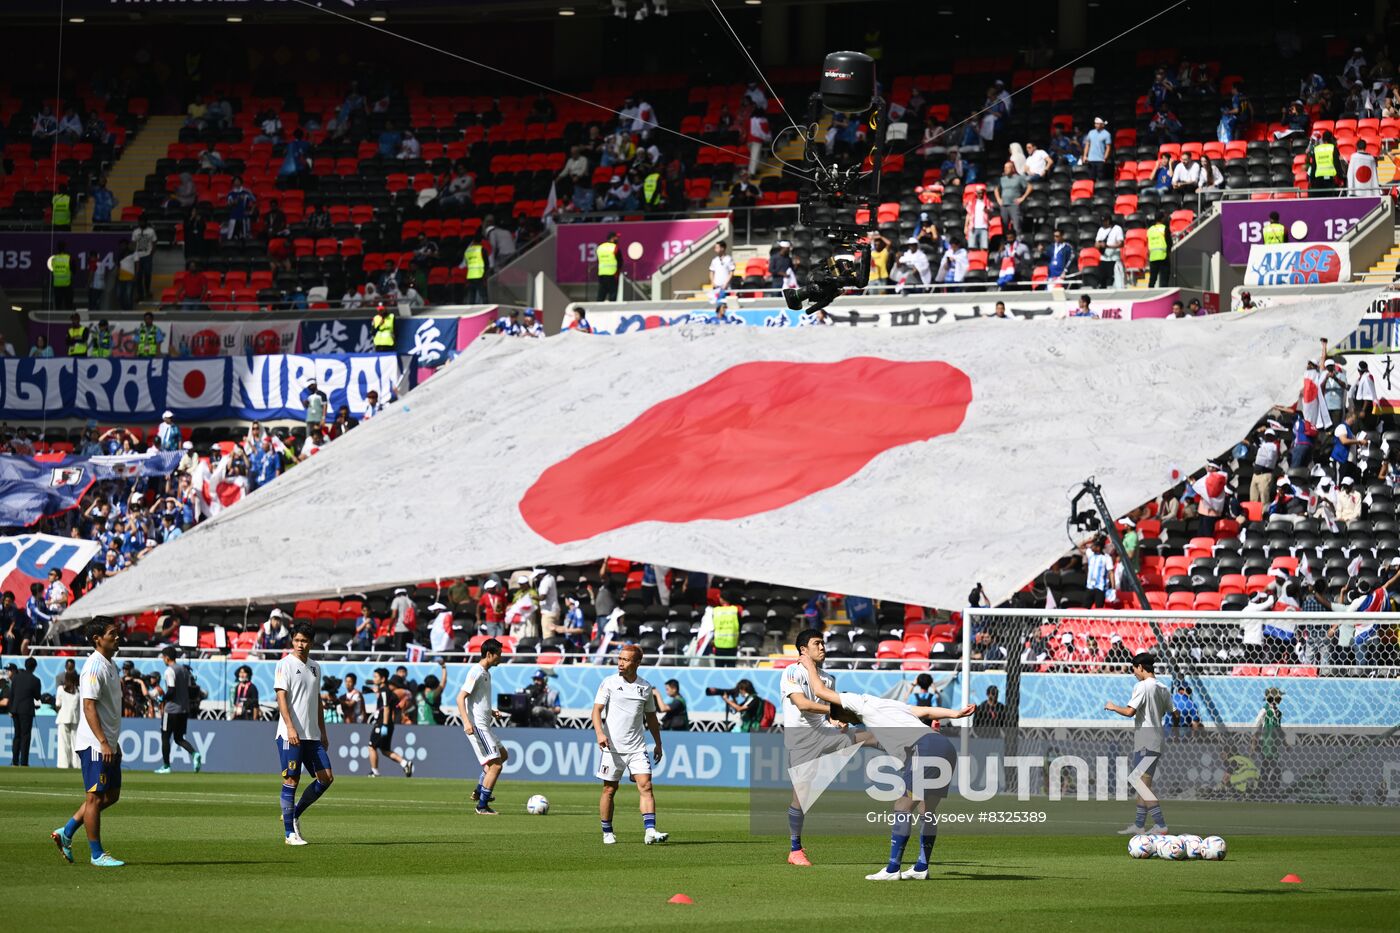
(808, 732)
(1150, 703)
(301, 731)
(902, 731)
(623, 705)
(97, 745)
(478, 722)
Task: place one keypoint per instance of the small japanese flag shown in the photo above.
(415, 653)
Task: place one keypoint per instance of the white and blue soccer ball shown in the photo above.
(1170, 848)
(537, 805)
(1192, 845)
(1213, 849)
(1141, 846)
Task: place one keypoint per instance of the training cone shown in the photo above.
(1290, 879)
(680, 899)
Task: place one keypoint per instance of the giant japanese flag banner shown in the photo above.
(902, 466)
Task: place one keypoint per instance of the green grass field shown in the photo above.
(206, 851)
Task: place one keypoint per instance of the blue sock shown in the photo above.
(289, 806)
(96, 846)
(1156, 814)
(899, 839)
(71, 827)
(1141, 820)
(607, 825)
(483, 796)
(795, 827)
(925, 851)
(649, 820)
(310, 796)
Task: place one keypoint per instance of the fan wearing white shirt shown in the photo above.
(97, 745)
(623, 705)
(1150, 702)
(1187, 174)
(1109, 240)
(478, 722)
(301, 731)
(903, 732)
(721, 270)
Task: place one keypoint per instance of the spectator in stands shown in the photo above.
(1038, 162)
(1334, 390)
(1065, 146)
(273, 637)
(1108, 239)
(914, 274)
(193, 288)
(103, 202)
(1187, 174)
(409, 147)
(264, 464)
(881, 254)
(952, 268)
(1011, 191)
(977, 219)
(242, 208)
(197, 246)
(363, 637)
(1118, 655)
(1267, 457)
(1098, 573)
(389, 139)
(275, 220)
(618, 148)
(404, 614)
(210, 160)
(1098, 150)
(1162, 93)
(721, 271)
(1013, 263)
(297, 157)
(1058, 256)
(1164, 127)
(168, 437)
(45, 124)
(1211, 178)
(70, 127)
(500, 242)
(759, 136)
(991, 712)
(143, 245)
(671, 706)
(744, 192)
(1355, 67)
(956, 172)
(1344, 440)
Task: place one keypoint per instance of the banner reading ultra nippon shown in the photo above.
(1318, 219)
(223, 387)
(576, 256)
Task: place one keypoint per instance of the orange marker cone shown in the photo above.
(1290, 879)
(680, 899)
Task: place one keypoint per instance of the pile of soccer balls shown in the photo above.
(1177, 848)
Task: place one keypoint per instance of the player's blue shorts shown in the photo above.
(100, 777)
(1151, 757)
(307, 753)
(931, 745)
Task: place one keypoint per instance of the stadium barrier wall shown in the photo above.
(690, 759)
(1047, 699)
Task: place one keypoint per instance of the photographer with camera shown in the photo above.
(743, 699)
(674, 717)
(543, 700)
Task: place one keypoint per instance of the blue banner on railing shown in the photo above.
(31, 489)
(242, 387)
(431, 341)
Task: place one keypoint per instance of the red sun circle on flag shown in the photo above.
(1364, 174)
(194, 383)
(757, 437)
(204, 343)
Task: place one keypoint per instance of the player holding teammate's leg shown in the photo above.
(97, 745)
(902, 731)
(623, 705)
(478, 722)
(808, 732)
(301, 732)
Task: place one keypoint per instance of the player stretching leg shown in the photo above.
(1150, 703)
(474, 708)
(97, 743)
(297, 682)
(902, 731)
(629, 703)
(807, 729)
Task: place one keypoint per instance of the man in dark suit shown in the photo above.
(24, 700)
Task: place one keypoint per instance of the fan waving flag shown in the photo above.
(904, 463)
(1311, 402)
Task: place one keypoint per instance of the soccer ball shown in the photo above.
(537, 805)
(1192, 845)
(1213, 849)
(1141, 846)
(1170, 848)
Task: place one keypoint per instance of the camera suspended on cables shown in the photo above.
(831, 196)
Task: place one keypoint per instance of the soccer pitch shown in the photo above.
(206, 851)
